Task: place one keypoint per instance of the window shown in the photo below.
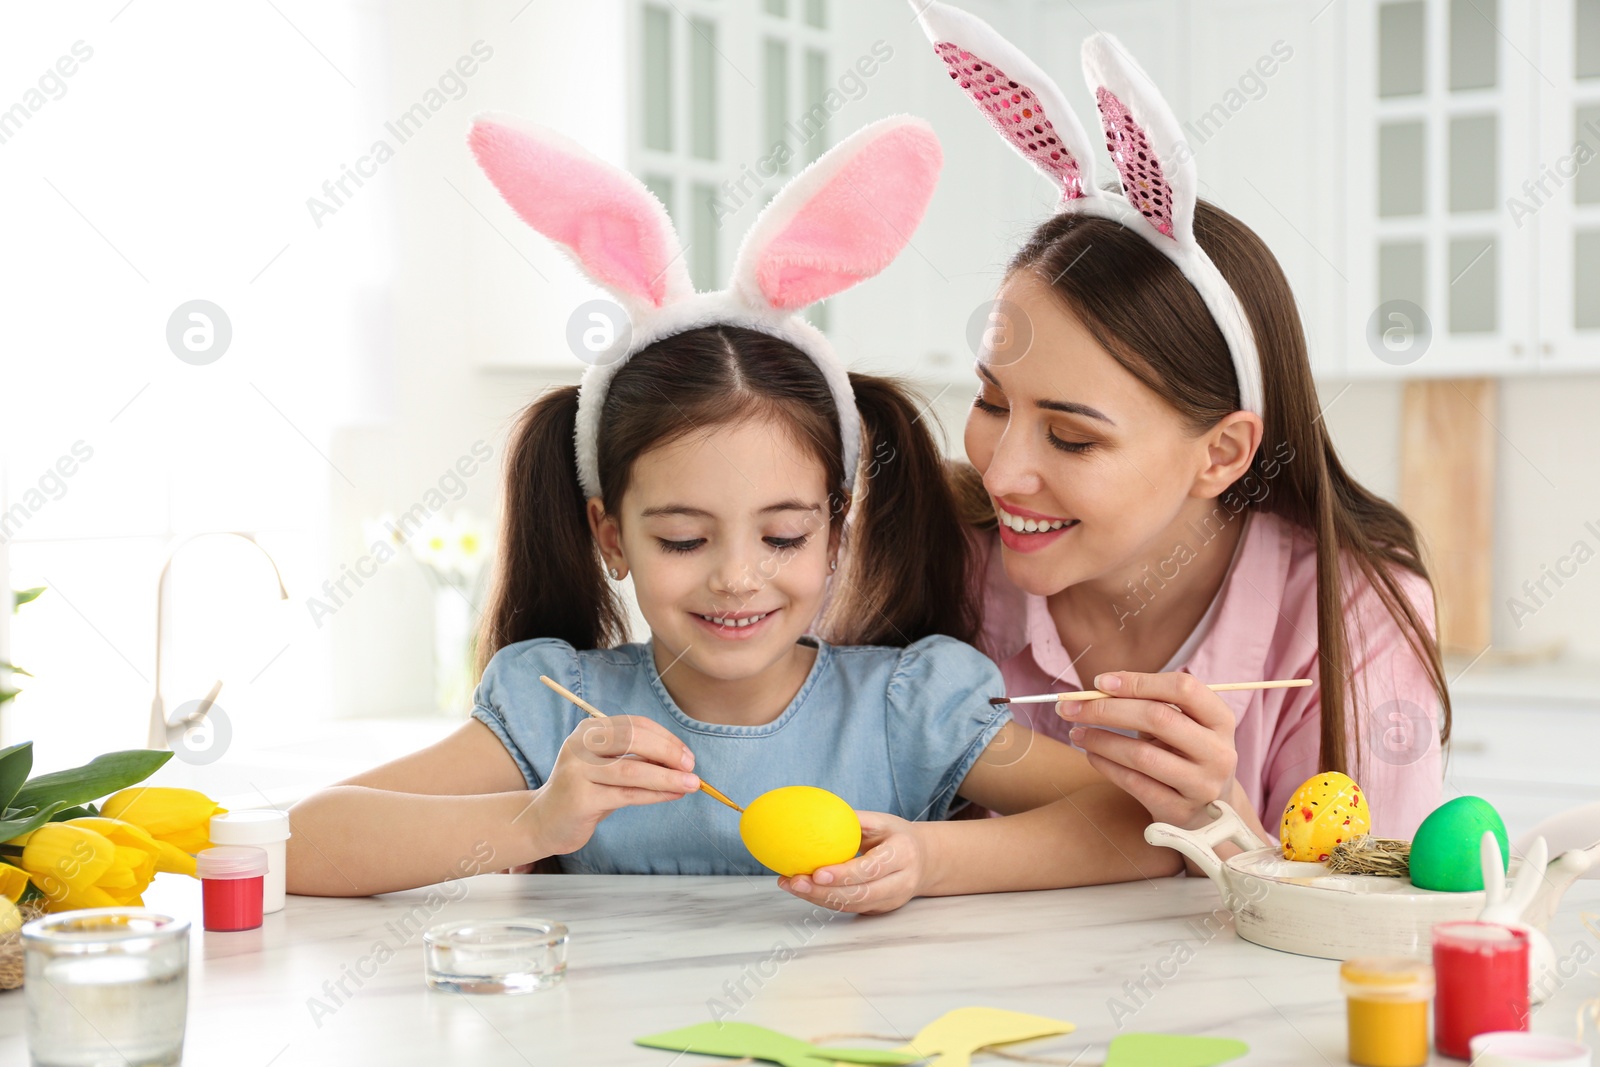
(112, 447)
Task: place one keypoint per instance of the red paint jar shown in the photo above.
(1481, 975)
(231, 886)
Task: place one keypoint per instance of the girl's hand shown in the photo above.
(1184, 757)
(888, 872)
(606, 764)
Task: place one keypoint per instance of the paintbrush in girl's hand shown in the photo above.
(1095, 694)
(595, 712)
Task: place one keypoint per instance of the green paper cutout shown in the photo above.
(1172, 1050)
(757, 1042)
(956, 1035)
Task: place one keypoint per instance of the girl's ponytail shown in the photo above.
(904, 571)
(548, 579)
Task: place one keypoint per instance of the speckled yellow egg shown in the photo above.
(796, 829)
(1325, 811)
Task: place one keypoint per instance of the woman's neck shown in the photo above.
(1137, 618)
(752, 701)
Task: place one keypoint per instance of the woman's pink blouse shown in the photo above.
(1264, 625)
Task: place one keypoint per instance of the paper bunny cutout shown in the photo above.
(1153, 160)
(840, 221)
(1507, 908)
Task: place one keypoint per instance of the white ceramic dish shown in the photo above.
(1301, 908)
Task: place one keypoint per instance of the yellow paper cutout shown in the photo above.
(956, 1035)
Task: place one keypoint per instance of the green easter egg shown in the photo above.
(1444, 852)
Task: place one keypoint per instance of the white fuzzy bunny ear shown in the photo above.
(618, 233)
(842, 219)
(1021, 102)
(1145, 140)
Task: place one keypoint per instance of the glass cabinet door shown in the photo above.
(728, 104)
(1439, 126)
(1558, 199)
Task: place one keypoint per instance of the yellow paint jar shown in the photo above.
(1387, 1008)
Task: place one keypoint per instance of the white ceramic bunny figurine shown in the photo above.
(1507, 908)
(1558, 878)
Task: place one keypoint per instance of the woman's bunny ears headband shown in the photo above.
(1146, 142)
(840, 221)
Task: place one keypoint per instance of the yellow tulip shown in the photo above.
(179, 817)
(10, 917)
(126, 834)
(79, 867)
(13, 880)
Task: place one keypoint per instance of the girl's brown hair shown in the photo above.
(1138, 306)
(904, 576)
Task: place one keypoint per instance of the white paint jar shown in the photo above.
(268, 830)
(1518, 1048)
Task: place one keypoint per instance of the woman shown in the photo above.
(1159, 501)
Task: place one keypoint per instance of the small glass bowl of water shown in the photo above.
(106, 985)
(495, 955)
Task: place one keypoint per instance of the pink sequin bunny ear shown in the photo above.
(1161, 186)
(616, 231)
(1021, 102)
(841, 220)
(1144, 138)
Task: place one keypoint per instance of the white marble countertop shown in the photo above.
(653, 953)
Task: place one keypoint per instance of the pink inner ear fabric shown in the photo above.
(1013, 109)
(1142, 181)
(854, 224)
(608, 221)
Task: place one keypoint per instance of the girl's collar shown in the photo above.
(688, 722)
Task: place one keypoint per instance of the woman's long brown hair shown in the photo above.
(1140, 308)
(903, 578)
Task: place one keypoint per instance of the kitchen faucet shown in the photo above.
(162, 732)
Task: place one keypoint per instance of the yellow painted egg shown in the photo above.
(796, 829)
(1327, 810)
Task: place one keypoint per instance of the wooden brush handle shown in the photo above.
(1095, 694)
(705, 787)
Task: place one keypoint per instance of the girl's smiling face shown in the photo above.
(1070, 441)
(726, 533)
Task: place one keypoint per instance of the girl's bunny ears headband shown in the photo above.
(841, 220)
(1151, 155)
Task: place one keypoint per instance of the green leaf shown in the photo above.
(23, 596)
(99, 777)
(15, 763)
(8, 692)
(16, 827)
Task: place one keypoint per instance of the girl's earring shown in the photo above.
(833, 565)
(616, 575)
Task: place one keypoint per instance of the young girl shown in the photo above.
(713, 456)
(1163, 502)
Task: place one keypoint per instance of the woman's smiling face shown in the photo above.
(1068, 440)
(726, 533)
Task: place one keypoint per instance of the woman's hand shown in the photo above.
(888, 872)
(606, 764)
(1184, 757)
